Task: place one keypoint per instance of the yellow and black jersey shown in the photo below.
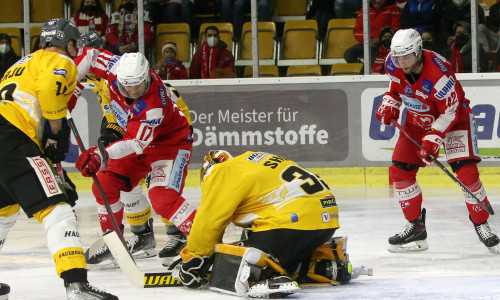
(262, 191)
(101, 89)
(176, 97)
(36, 88)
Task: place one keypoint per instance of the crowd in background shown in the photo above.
(443, 24)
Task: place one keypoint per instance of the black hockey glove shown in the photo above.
(192, 273)
(70, 189)
(56, 146)
(110, 133)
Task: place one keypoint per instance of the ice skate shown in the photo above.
(4, 291)
(98, 257)
(276, 287)
(487, 236)
(412, 232)
(176, 242)
(84, 291)
(142, 244)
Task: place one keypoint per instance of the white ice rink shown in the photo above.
(456, 266)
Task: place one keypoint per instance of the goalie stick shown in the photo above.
(488, 208)
(141, 279)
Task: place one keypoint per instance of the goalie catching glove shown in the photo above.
(432, 141)
(89, 162)
(56, 145)
(387, 110)
(192, 271)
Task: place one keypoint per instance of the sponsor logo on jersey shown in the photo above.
(394, 78)
(408, 91)
(61, 72)
(153, 122)
(112, 62)
(120, 113)
(389, 66)
(440, 64)
(162, 91)
(414, 104)
(444, 89)
(257, 157)
(427, 86)
(326, 217)
(328, 201)
(138, 107)
(420, 94)
(294, 217)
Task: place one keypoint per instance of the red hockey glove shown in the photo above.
(432, 141)
(89, 162)
(387, 110)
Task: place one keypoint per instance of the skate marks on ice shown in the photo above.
(456, 265)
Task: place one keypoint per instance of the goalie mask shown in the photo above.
(133, 75)
(213, 157)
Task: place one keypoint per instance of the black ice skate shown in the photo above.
(176, 242)
(98, 256)
(142, 244)
(412, 232)
(486, 236)
(4, 291)
(276, 287)
(84, 291)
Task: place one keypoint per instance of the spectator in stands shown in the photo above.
(233, 11)
(170, 68)
(422, 14)
(382, 13)
(168, 11)
(385, 37)
(430, 41)
(321, 11)
(347, 9)
(494, 18)
(213, 60)
(7, 55)
(122, 35)
(192, 7)
(91, 17)
(459, 53)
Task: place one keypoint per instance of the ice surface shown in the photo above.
(456, 266)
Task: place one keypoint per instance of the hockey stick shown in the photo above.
(96, 180)
(488, 208)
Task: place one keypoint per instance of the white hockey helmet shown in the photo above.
(213, 157)
(406, 41)
(133, 70)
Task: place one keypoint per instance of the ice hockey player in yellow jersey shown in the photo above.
(34, 91)
(290, 216)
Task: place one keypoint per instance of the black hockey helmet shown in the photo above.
(90, 39)
(58, 32)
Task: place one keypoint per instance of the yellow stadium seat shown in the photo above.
(267, 44)
(226, 33)
(303, 70)
(346, 69)
(15, 37)
(42, 10)
(178, 33)
(13, 12)
(264, 71)
(339, 37)
(34, 35)
(488, 3)
(300, 44)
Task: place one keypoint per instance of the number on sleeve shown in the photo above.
(7, 92)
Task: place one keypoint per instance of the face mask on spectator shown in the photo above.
(212, 41)
(129, 7)
(427, 44)
(4, 48)
(386, 43)
(460, 40)
(90, 9)
(169, 60)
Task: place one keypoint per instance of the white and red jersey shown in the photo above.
(153, 123)
(436, 100)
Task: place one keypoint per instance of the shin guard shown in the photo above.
(408, 191)
(469, 176)
(8, 217)
(136, 206)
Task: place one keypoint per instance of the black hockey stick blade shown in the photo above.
(127, 264)
(488, 208)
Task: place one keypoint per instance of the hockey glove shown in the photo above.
(56, 145)
(89, 162)
(193, 270)
(110, 133)
(432, 141)
(387, 110)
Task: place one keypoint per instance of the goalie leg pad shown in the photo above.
(8, 217)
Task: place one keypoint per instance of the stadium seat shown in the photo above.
(15, 37)
(264, 71)
(13, 12)
(42, 10)
(346, 69)
(303, 70)
(178, 33)
(488, 3)
(34, 35)
(267, 44)
(339, 37)
(300, 44)
(226, 33)
(285, 10)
